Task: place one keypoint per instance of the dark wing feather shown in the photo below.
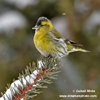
(58, 36)
(72, 42)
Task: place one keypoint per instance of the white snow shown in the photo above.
(22, 3)
(93, 21)
(11, 20)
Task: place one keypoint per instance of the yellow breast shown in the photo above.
(42, 43)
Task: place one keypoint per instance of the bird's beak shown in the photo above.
(35, 27)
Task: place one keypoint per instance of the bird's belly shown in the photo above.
(43, 47)
(47, 47)
(43, 52)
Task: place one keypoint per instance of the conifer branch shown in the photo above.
(33, 78)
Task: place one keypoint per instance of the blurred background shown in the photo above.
(78, 20)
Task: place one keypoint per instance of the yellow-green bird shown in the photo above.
(49, 42)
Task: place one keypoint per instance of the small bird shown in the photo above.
(49, 42)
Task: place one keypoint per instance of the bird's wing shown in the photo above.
(58, 37)
(72, 42)
(58, 44)
(56, 33)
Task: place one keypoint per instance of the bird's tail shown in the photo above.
(79, 49)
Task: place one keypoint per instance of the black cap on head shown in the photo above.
(40, 20)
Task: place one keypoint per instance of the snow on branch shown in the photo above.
(33, 79)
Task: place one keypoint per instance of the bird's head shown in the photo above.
(43, 24)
